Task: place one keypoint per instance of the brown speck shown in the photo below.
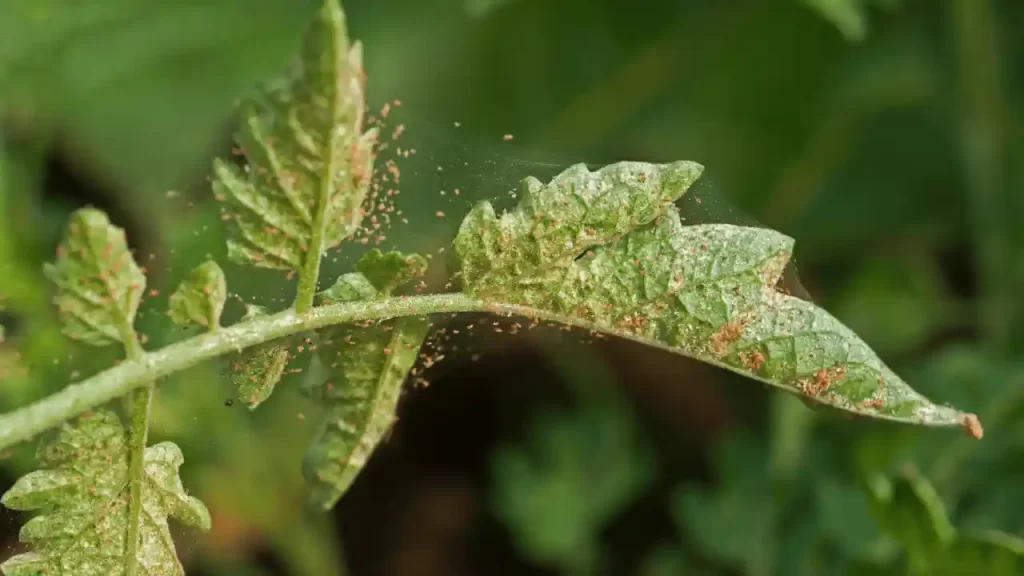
(972, 426)
(753, 360)
(507, 137)
(727, 334)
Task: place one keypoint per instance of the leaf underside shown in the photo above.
(99, 285)
(82, 494)
(607, 249)
(306, 152)
(256, 371)
(367, 366)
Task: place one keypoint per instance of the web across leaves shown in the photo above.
(608, 249)
(83, 494)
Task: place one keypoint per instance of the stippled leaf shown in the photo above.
(387, 271)
(83, 495)
(99, 286)
(256, 371)
(309, 161)
(607, 250)
(366, 366)
(200, 298)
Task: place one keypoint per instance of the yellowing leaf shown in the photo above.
(309, 161)
(366, 367)
(83, 495)
(99, 286)
(200, 298)
(607, 250)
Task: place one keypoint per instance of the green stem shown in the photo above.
(135, 373)
(984, 118)
(76, 399)
(141, 400)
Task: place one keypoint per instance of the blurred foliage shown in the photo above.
(896, 161)
(578, 469)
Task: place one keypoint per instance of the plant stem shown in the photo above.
(135, 373)
(984, 121)
(140, 401)
(78, 398)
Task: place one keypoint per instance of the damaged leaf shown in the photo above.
(309, 161)
(82, 494)
(99, 285)
(256, 371)
(200, 298)
(607, 249)
(366, 366)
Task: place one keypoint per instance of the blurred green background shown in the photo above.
(886, 136)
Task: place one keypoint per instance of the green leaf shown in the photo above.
(200, 298)
(366, 367)
(916, 517)
(849, 16)
(911, 511)
(349, 288)
(735, 523)
(989, 553)
(83, 496)
(578, 470)
(607, 250)
(257, 370)
(121, 78)
(99, 286)
(387, 271)
(309, 161)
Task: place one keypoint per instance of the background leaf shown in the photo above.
(139, 88)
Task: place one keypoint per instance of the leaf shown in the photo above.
(391, 270)
(989, 553)
(309, 161)
(849, 16)
(83, 495)
(912, 512)
(607, 250)
(119, 78)
(483, 8)
(844, 517)
(735, 523)
(557, 493)
(99, 286)
(257, 370)
(366, 366)
(200, 298)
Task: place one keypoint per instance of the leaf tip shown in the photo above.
(679, 176)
